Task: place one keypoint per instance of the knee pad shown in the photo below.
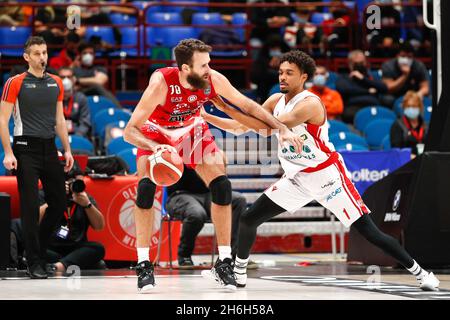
(220, 191)
(145, 193)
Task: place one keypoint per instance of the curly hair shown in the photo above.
(303, 61)
(186, 48)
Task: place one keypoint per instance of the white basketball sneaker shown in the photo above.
(241, 279)
(429, 282)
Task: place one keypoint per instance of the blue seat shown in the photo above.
(367, 114)
(99, 103)
(376, 131)
(212, 18)
(331, 81)
(169, 36)
(351, 147)
(386, 143)
(77, 143)
(108, 116)
(120, 18)
(239, 18)
(376, 74)
(347, 137)
(13, 36)
(427, 109)
(318, 17)
(335, 126)
(117, 145)
(129, 41)
(164, 18)
(106, 33)
(2, 167)
(129, 156)
(188, 4)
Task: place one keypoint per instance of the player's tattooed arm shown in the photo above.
(240, 122)
(224, 88)
(154, 95)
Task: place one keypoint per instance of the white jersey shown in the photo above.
(316, 148)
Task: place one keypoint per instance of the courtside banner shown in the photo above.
(367, 167)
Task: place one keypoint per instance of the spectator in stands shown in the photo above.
(44, 22)
(384, 40)
(69, 245)
(76, 109)
(91, 79)
(416, 33)
(269, 20)
(330, 98)
(358, 88)
(335, 30)
(410, 130)
(307, 35)
(265, 68)
(405, 73)
(190, 200)
(68, 54)
(13, 16)
(227, 12)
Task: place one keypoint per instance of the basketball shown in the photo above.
(165, 168)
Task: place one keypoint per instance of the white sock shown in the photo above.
(143, 254)
(417, 270)
(224, 252)
(240, 265)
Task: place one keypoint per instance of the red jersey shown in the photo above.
(181, 104)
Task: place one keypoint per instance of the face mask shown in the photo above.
(404, 60)
(67, 83)
(360, 67)
(87, 59)
(411, 112)
(274, 53)
(319, 80)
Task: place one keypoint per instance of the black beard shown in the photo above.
(197, 82)
(284, 91)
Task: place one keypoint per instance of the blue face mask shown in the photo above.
(274, 53)
(319, 80)
(411, 112)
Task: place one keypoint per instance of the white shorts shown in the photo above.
(331, 187)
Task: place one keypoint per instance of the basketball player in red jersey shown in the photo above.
(168, 118)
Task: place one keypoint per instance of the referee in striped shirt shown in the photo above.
(35, 100)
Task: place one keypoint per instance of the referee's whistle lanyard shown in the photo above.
(69, 215)
(68, 108)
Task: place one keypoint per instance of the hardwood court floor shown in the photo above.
(279, 277)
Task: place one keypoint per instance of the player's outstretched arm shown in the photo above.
(240, 122)
(224, 88)
(154, 95)
(308, 110)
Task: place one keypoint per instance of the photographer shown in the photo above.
(69, 245)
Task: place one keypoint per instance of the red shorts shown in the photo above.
(193, 142)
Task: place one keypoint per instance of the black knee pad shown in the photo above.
(145, 193)
(220, 191)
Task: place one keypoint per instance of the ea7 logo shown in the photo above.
(334, 193)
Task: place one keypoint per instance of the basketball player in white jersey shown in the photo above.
(317, 173)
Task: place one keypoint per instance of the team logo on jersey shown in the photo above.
(52, 85)
(192, 98)
(176, 99)
(207, 91)
(30, 85)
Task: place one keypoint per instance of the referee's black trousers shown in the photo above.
(37, 158)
